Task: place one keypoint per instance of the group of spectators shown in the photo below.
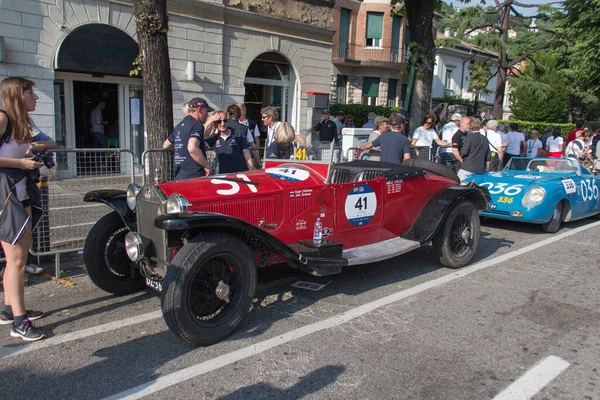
(229, 135)
(473, 145)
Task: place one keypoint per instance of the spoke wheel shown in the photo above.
(457, 240)
(105, 258)
(208, 288)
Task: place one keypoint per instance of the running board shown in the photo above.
(379, 251)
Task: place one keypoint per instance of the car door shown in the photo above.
(587, 194)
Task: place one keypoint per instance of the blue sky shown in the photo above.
(525, 11)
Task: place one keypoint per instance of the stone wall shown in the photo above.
(355, 89)
(315, 13)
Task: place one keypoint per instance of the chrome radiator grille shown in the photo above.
(146, 212)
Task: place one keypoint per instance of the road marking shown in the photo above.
(196, 370)
(9, 351)
(534, 380)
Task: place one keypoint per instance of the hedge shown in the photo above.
(565, 129)
(360, 112)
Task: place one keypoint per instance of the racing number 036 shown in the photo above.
(589, 190)
(498, 188)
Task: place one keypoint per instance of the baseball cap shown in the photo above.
(326, 111)
(199, 102)
(456, 117)
(379, 119)
(399, 120)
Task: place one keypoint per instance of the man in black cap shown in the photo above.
(395, 147)
(327, 128)
(187, 140)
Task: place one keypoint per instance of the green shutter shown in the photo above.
(374, 25)
(392, 88)
(370, 87)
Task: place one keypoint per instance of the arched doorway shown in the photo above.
(270, 80)
(92, 64)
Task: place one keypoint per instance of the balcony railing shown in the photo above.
(381, 54)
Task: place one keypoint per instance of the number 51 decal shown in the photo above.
(498, 188)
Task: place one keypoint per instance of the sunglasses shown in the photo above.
(220, 121)
(264, 117)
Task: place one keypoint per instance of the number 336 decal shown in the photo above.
(498, 188)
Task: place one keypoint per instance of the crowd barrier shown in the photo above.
(421, 152)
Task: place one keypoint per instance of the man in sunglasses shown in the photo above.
(187, 141)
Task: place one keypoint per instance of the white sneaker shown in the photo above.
(33, 269)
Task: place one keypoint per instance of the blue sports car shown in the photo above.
(546, 191)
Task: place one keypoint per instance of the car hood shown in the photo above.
(525, 178)
(288, 177)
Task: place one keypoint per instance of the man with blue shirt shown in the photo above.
(187, 141)
(395, 147)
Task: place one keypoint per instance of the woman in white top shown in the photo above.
(425, 135)
(18, 99)
(534, 145)
(554, 144)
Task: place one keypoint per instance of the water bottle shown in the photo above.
(318, 233)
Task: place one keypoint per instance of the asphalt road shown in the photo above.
(521, 322)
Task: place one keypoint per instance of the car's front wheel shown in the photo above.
(554, 223)
(105, 259)
(456, 242)
(208, 288)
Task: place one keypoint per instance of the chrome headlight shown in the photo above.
(132, 191)
(176, 203)
(533, 197)
(134, 246)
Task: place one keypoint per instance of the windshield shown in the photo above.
(542, 164)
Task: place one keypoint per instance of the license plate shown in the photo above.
(156, 285)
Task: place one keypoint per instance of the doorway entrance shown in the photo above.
(268, 82)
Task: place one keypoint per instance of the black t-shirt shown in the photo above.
(394, 145)
(474, 152)
(275, 150)
(458, 139)
(327, 131)
(185, 166)
(237, 127)
(230, 151)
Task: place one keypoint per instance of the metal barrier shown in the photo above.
(67, 219)
(157, 164)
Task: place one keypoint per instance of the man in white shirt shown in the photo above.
(496, 153)
(97, 122)
(516, 144)
(447, 159)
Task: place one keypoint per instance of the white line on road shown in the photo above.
(534, 380)
(9, 351)
(337, 320)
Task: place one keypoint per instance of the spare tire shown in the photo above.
(432, 168)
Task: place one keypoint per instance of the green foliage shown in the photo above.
(456, 100)
(137, 63)
(150, 24)
(360, 112)
(542, 127)
(581, 22)
(543, 92)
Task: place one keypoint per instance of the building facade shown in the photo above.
(370, 54)
(228, 51)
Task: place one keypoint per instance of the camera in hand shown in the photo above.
(47, 157)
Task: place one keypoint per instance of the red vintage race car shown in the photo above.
(200, 241)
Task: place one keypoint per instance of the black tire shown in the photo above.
(105, 258)
(456, 242)
(553, 225)
(196, 273)
(432, 168)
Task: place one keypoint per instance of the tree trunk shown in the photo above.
(502, 63)
(152, 24)
(420, 20)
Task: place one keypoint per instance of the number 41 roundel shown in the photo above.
(361, 205)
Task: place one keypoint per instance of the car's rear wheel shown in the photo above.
(554, 223)
(432, 168)
(456, 242)
(208, 288)
(105, 258)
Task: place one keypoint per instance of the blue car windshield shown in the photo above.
(561, 165)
